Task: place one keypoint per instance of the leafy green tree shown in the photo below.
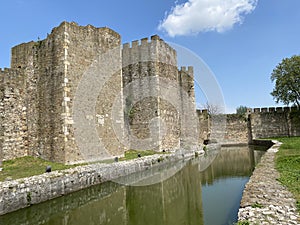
(241, 110)
(286, 76)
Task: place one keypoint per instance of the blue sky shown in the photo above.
(240, 40)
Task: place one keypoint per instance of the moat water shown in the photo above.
(206, 191)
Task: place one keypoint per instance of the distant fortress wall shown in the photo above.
(274, 122)
(256, 123)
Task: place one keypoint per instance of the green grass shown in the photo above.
(288, 164)
(257, 205)
(28, 166)
(133, 154)
(245, 222)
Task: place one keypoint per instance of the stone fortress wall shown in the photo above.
(145, 64)
(156, 94)
(256, 123)
(37, 93)
(272, 122)
(80, 96)
(58, 97)
(13, 130)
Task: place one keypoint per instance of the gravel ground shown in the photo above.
(265, 200)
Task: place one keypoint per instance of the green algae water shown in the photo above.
(206, 191)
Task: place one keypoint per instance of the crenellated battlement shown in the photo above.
(12, 74)
(202, 111)
(4, 70)
(273, 109)
(143, 42)
(275, 122)
(187, 70)
(154, 49)
(186, 80)
(11, 70)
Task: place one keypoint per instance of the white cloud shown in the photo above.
(197, 16)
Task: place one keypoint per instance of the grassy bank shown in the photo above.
(133, 154)
(288, 164)
(28, 166)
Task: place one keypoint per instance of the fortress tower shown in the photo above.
(78, 96)
(39, 95)
(158, 97)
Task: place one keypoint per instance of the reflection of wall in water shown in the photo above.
(229, 161)
(60, 210)
(109, 210)
(256, 152)
(172, 202)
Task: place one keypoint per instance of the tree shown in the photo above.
(241, 110)
(287, 81)
(213, 109)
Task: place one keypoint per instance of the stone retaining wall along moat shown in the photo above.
(21, 193)
(265, 200)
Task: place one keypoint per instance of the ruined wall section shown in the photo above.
(13, 130)
(149, 74)
(95, 53)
